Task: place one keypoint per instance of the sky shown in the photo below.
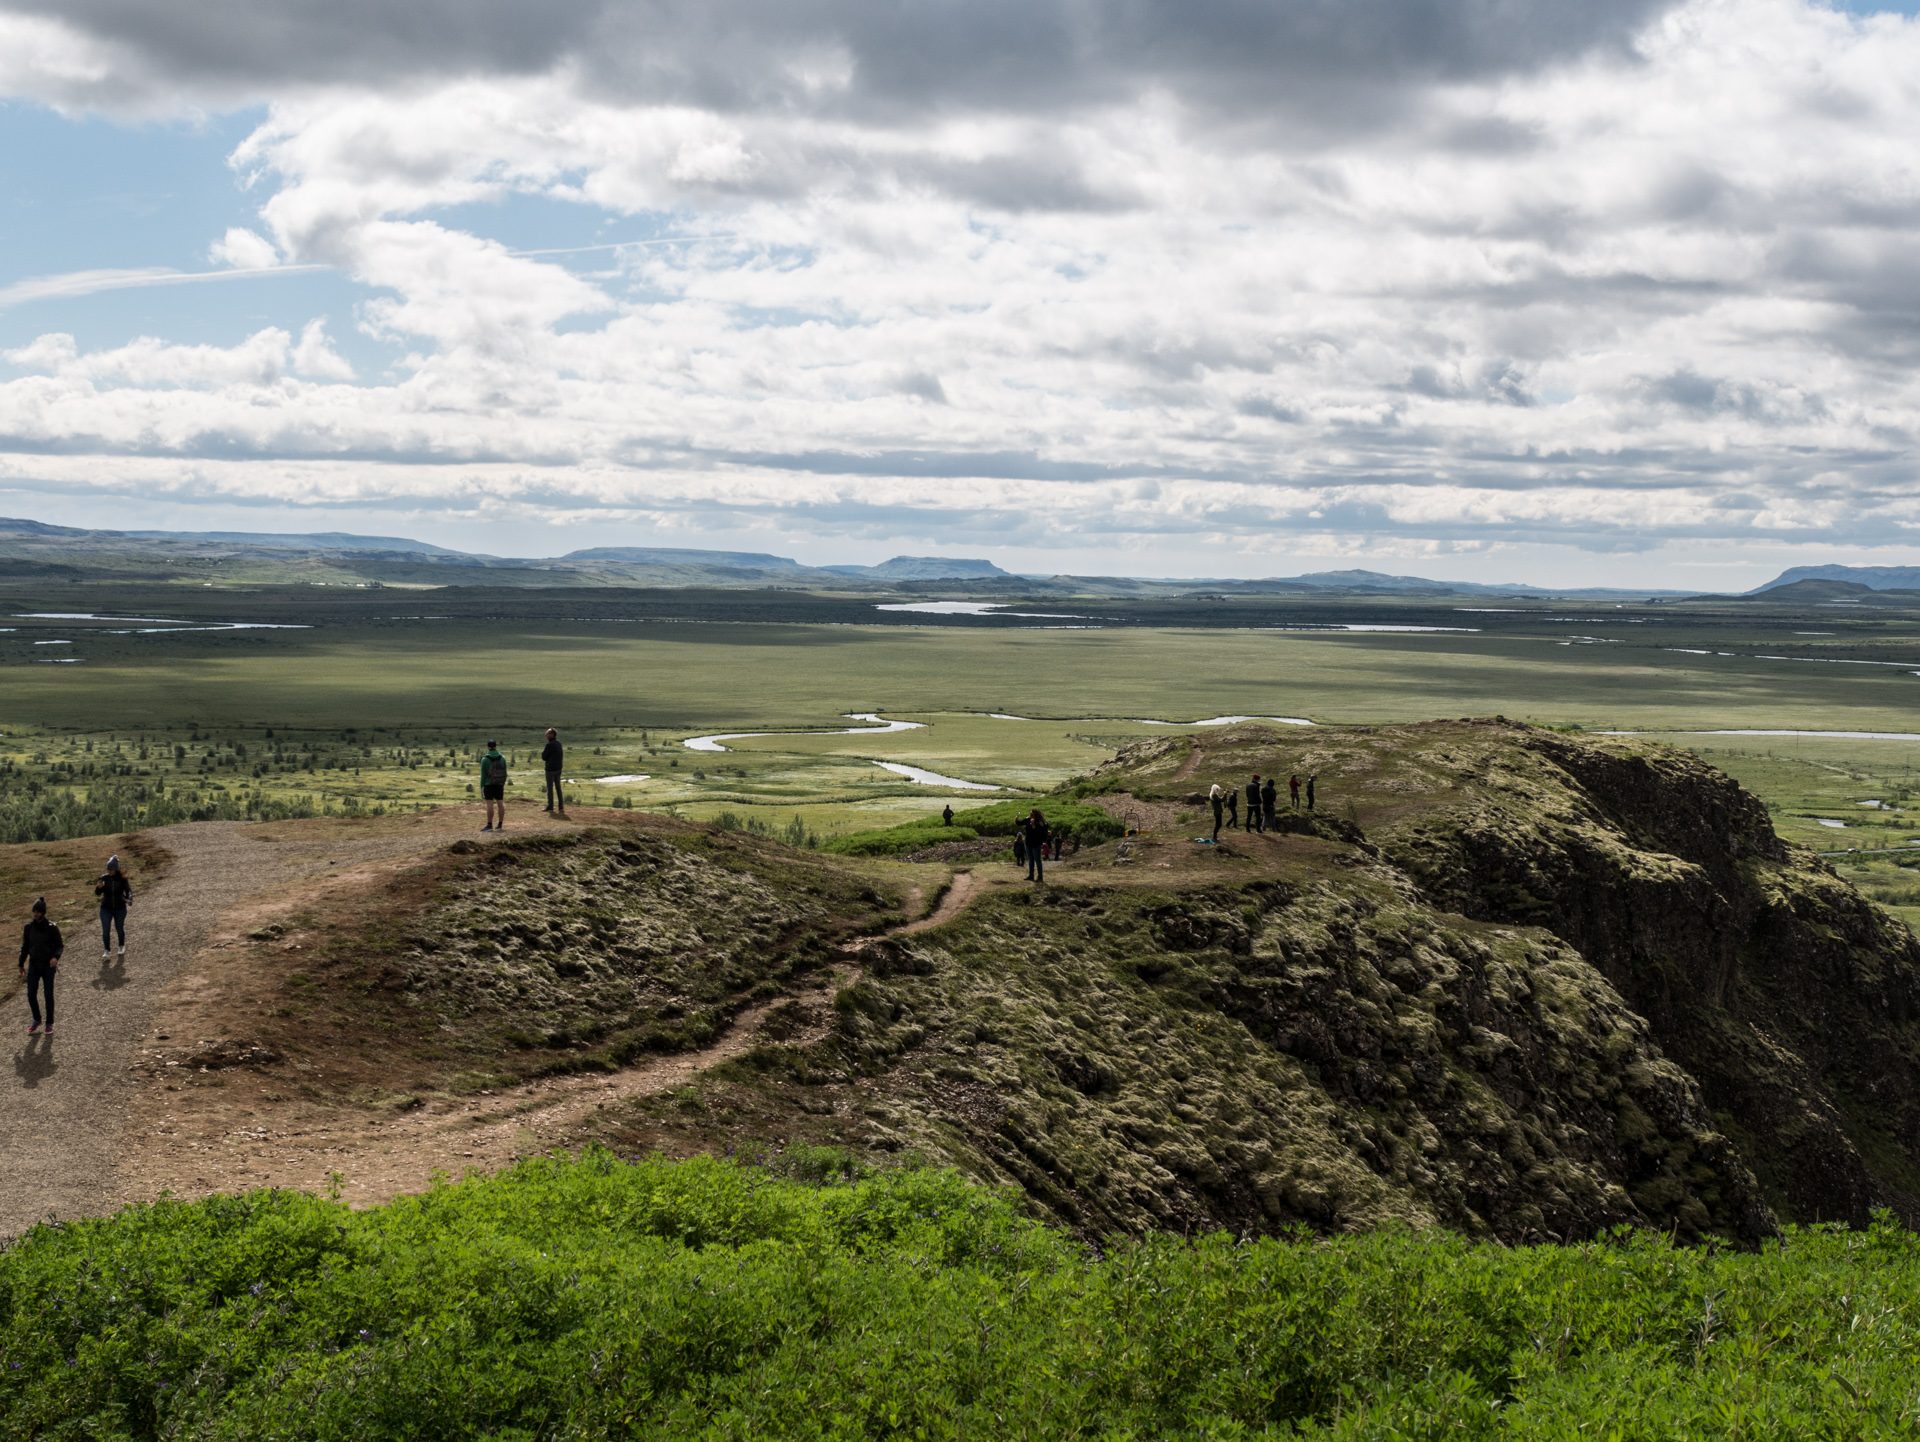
(1610, 292)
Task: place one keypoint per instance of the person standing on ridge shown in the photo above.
(552, 756)
(1310, 781)
(493, 786)
(946, 815)
(1219, 804)
(1037, 833)
(114, 892)
(1293, 790)
(40, 947)
(1253, 804)
(1269, 796)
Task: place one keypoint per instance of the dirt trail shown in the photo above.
(250, 1141)
(67, 1113)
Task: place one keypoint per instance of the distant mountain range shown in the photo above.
(340, 558)
(1874, 578)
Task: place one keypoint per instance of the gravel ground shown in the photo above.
(66, 1111)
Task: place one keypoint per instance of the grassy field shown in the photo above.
(383, 700)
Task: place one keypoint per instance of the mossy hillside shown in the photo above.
(567, 953)
(1256, 1057)
(1791, 999)
(632, 942)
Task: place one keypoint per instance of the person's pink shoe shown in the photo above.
(34, 1030)
(48, 1028)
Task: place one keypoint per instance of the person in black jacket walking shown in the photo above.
(40, 947)
(553, 757)
(114, 892)
(1037, 834)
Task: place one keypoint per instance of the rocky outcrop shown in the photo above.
(1788, 997)
(1504, 980)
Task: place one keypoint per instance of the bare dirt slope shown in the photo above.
(66, 1117)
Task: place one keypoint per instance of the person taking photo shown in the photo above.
(114, 892)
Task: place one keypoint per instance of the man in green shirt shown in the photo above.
(493, 786)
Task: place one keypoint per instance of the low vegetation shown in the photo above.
(550, 954)
(602, 1299)
(1072, 821)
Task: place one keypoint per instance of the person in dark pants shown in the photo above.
(493, 786)
(553, 756)
(1253, 805)
(1037, 834)
(946, 816)
(1293, 791)
(40, 947)
(1233, 808)
(1268, 797)
(1219, 807)
(114, 892)
(1310, 781)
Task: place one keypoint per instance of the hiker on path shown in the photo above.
(1219, 804)
(1268, 798)
(1253, 805)
(40, 947)
(1233, 808)
(1293, 790)
(552, 755)
(1037, 834)
(946, 815)
(493, 786)
(114, 892)
(1310, 781)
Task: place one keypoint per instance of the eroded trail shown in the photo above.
(193, 1146)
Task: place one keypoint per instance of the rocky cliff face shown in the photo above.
(1788, 997)
(1509, 982)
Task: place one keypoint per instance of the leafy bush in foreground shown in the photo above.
(601, 1299)
(1087, 824)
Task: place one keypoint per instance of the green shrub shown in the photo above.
(596, 1298)
(1088, 825)
(898, 840)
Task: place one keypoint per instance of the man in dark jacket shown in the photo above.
(1037, 833)
(114, 893)
(1269, 797)
(40, 947)
(552, 756)
(1253, 805)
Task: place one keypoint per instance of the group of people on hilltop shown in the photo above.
(493, 780)
(1263, 799)
(42, 945)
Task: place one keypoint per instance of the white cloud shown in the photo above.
(315, 355)
(1599, 295)
(243, 250)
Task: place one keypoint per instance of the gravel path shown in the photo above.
(69, 1090)
(67, 1111)
(66, 1104)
